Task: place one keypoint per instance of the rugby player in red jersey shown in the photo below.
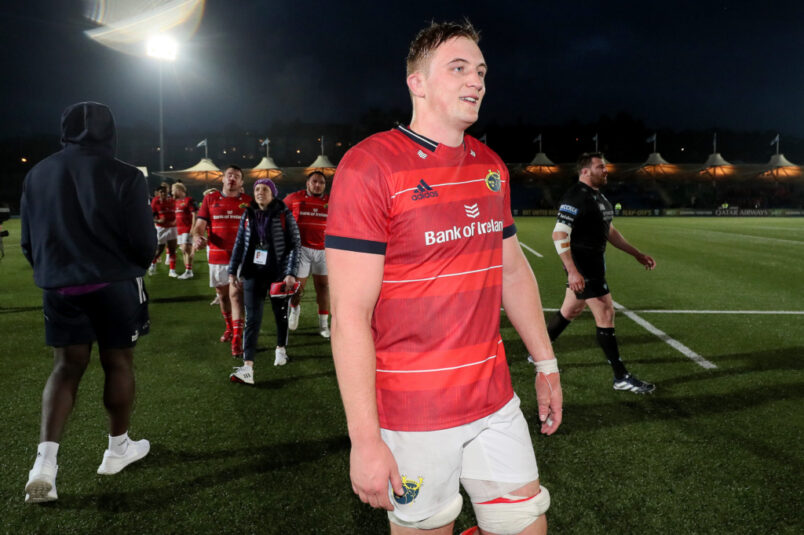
(422, 251)
(309, 207)
(219, 217)
(185, 220)
(164, 211)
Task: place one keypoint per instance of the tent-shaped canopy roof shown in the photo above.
(656, 166)
(780, 167)
(202, 171)
(541, 165)
(778, 160)
(654, 158)
(716, 166)
(541, 159)
(322, 165)
(265, 169)
(715, 160)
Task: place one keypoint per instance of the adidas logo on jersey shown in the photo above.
(423, 191)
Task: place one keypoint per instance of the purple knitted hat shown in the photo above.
(269, 183)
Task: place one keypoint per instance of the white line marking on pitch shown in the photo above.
(664, 337)
(746, 236)
(684, 350)
(530, 249)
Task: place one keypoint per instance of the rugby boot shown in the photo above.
(632, 384)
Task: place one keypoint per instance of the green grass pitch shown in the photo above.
(712, 451)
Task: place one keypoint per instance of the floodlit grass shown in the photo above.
(712, 451)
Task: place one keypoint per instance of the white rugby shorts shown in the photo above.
(311, 260)
(165, 234)
(218, 275)
(489, 457)
(185, 238)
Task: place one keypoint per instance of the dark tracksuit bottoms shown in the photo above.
(254, 292)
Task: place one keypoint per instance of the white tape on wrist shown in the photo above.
(546, 366)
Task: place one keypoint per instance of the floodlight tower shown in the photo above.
(163, 48)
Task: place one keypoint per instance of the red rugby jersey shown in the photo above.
(310, 213)
(439, 215)
(165, 209)
(222, 215)
(184, 214)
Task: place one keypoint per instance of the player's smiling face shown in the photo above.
(455, 82)
(263, 195)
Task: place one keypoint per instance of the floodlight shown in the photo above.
(162, 47)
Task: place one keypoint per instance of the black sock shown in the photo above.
(608, 342)
(556, 326)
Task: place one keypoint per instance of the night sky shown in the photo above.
(705, 64)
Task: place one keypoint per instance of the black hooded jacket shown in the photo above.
(85, 215)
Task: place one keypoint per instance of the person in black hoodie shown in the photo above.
(266, 250)
(88, 232)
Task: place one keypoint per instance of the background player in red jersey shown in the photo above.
(422, 252)
(219, 217)
(164, 211)
(309, 207)
(185, 221)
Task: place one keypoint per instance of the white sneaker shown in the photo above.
(281, 357)
(293, 317)
(113, 462)
(243, 374)
(173, 273)
(188, 274)
(323, 330)
(152, 269)
(41, 486)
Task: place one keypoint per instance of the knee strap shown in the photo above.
(511, 514)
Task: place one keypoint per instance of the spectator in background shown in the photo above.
(266, 251)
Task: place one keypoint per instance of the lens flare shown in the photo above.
(130, 26)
